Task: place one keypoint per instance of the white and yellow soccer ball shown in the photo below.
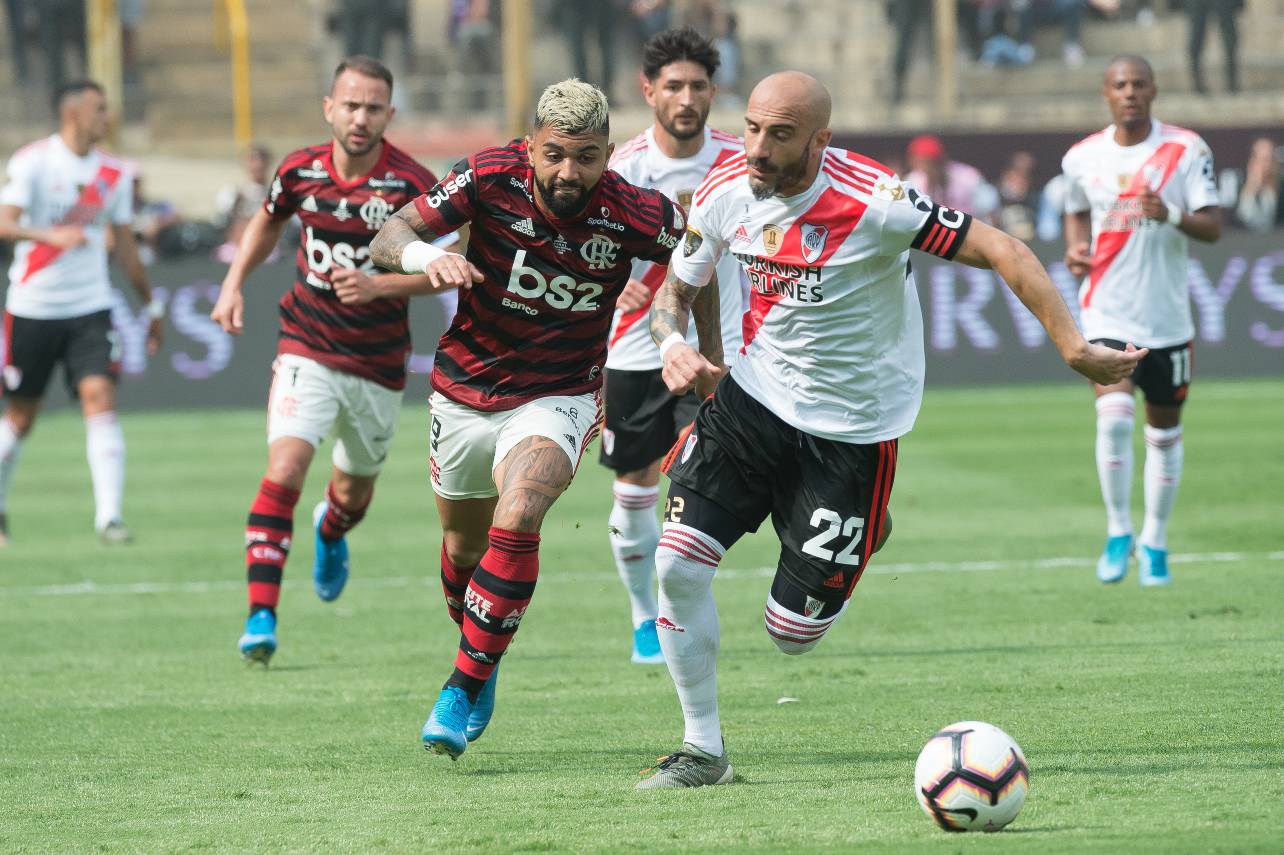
(971, 776)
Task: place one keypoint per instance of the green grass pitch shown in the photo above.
(1151, 718)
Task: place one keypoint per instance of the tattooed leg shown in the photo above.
(530, 478)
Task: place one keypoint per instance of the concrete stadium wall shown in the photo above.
(975, 330)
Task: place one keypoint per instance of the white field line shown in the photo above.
(94, 588)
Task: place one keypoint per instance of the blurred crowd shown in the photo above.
(1015, 201)
(1002, 32)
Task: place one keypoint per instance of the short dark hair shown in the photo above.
(682, 43)
(1133, 59)
(74, 88)
(362, 64)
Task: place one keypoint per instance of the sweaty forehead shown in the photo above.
(571, 143)
(769, 112)
(1125, 70)
(353, 86)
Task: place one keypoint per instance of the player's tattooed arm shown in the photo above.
(684, 368)
(993, 249)
(398, 232)
(444, 269)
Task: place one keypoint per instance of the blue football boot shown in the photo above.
(646, 645)
(1113, 563)
(483, 709)
(1152, 565)
(330, 568)
(444, 730)
(259, 641)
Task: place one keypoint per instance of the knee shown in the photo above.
(287, 471)
(685, 561)
(20, 421)
(352, 491)
(522, 510)
(463, 551)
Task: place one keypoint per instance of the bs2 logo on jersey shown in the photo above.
(559, 292)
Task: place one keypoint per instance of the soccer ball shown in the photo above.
(971, 776)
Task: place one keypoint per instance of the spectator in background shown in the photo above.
(649, 18)
(237, 203)
(1016, 197)
(16, 13)
(364, 24)
(714, 19)
(1052, 209)
(156, 224)
(131, 15)
(1198, 12)
(1259, 207)
(1032, 14)
(906, 17)
(474, 31)
(949, 183)
(61, 24)
(582, 19)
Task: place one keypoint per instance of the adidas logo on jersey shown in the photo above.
(525, 227)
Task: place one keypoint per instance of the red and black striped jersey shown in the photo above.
(339, 219)
(538, 322)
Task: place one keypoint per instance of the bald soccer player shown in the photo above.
(804, 429)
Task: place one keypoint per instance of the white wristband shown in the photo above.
(1174, 214)
(669, 341)
(155, 309)
(417, 255)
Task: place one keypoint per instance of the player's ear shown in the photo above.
(610, 150)
(648, 88)
(327, 106)
(823, 138)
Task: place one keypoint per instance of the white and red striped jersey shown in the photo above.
(642, 163)
(55, 186)
(833, 335)
(1136, 290)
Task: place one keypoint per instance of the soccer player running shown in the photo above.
(344, 341)
(642, 418)
(66, 202)
(805, 427)
(1134, 193)
(518, 374)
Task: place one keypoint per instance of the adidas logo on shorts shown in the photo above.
(525, 227)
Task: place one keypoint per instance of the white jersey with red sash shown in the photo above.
(642, 163)
(55, 186)
(1136, 290)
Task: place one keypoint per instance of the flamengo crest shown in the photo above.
(599, 252)
(375, 211)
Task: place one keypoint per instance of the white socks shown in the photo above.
(634, 536)
(105, 445)
(688, 629)
(1160, 478)
(794, 633)
(1115, 415)
(10, 448)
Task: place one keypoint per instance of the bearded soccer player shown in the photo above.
(1134, 193)
(805, 428)
(64, 203)
(518, 374)
(642, 418)
(344, 341)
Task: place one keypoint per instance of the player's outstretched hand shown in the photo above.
(155, 335)
(635, 297)
(64, 237)
(685, 368)
(452, 271)
(228, 311)
(352, 286)
(1105, 365)
(1079, 259)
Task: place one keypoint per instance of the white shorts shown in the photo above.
(467, 444)
(308, 401)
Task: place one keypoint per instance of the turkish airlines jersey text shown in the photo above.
(833, 335)
(537, 324)
(1136, 290)
(641, 162)
(339, 219)
(55, 186)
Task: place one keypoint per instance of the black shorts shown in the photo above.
(1163, 376)
(85, 345)
(827, 499)
(643, 419)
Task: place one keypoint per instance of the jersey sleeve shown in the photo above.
(1076, 199)
(19, 187)
(911, 220)
(672, 222)
(281, 201)
(1199, 180)
(702, 246)
(452, 202)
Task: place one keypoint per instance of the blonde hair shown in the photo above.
(573, 107)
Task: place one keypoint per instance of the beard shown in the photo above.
(678, 134)
(356, 151)
(563, 206)
(787, 174)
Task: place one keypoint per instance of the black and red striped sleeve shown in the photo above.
(914, 221)
(281, 201)
(452, 202)
(665, 225)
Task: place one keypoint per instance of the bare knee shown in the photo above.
(464, 550)
(21, 419)
(352, 491)
(288, 460)
(523, 510)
